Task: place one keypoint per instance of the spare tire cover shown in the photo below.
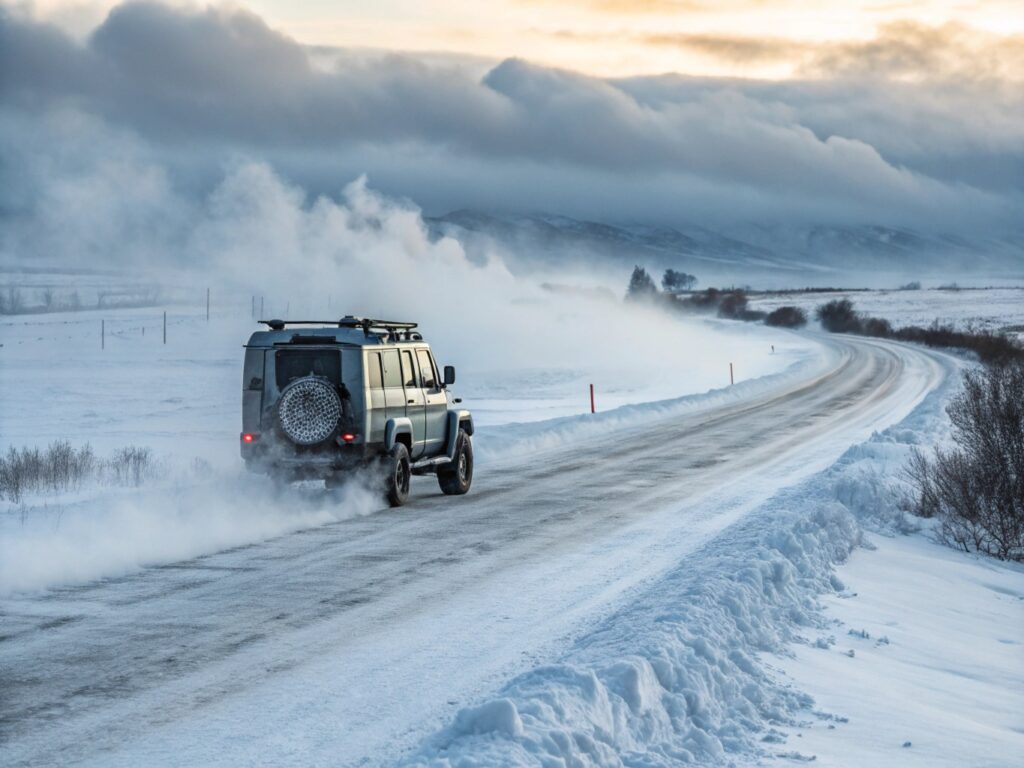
(308, 410)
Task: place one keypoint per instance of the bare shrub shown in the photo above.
(701, 301)
(977, 489)
(787, 317)
(61, 467)
(12, 302)
(57, 468)
(876, 326)
(130, 465)
(839, 316)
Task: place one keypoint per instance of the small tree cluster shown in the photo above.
(977, 489)
(676, 282)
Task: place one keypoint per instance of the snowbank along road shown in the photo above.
(347, 644)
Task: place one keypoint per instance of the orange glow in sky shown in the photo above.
(744, 38)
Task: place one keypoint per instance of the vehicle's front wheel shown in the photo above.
(456, 477)
(398, 475)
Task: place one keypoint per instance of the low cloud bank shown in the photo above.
(915, 126)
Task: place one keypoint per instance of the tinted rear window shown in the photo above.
(295, 363)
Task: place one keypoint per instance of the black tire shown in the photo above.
(456, 478)
(398, 475)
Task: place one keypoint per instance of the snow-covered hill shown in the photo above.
(764, 255)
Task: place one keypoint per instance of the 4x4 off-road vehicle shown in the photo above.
(322, 398)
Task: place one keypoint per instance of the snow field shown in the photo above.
(689, 671)
(992, 309)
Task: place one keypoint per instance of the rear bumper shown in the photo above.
(275, 456)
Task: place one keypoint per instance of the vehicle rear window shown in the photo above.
(295, 363)
(392, 373)
(373, 370)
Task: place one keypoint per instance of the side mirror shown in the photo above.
(449, 375)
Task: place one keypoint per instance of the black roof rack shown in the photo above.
(366, 323)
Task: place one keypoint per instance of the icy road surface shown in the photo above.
(347, 644)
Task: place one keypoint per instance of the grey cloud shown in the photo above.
(203, 87)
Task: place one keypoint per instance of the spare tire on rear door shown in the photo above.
(308, 410)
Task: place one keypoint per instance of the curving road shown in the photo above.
(348, 643)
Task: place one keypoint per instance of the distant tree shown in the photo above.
(674, 282)
(838, 316)
(914, 285)
(787, 317)
(641, 286)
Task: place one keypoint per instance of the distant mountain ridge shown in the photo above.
(745, 253)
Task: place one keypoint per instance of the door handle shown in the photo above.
(410, 402)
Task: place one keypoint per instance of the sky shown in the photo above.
(120, 121)
(611, 38)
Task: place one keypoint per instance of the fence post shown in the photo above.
(261, 308)
(165, 326)
(103, 334)
(207, 305)
(592, 398)
(731, 379)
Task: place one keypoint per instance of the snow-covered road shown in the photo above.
(348, 643)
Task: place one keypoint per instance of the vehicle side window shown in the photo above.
(373, 369)
(392, 372)
(408, 370)
(437, 372)
(426, 369)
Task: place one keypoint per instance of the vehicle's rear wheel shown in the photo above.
(456, 477)
(398, 476)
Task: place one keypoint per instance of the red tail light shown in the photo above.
(248, 437)
(348, 437)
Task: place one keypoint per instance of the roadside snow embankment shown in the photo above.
(679, 674)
